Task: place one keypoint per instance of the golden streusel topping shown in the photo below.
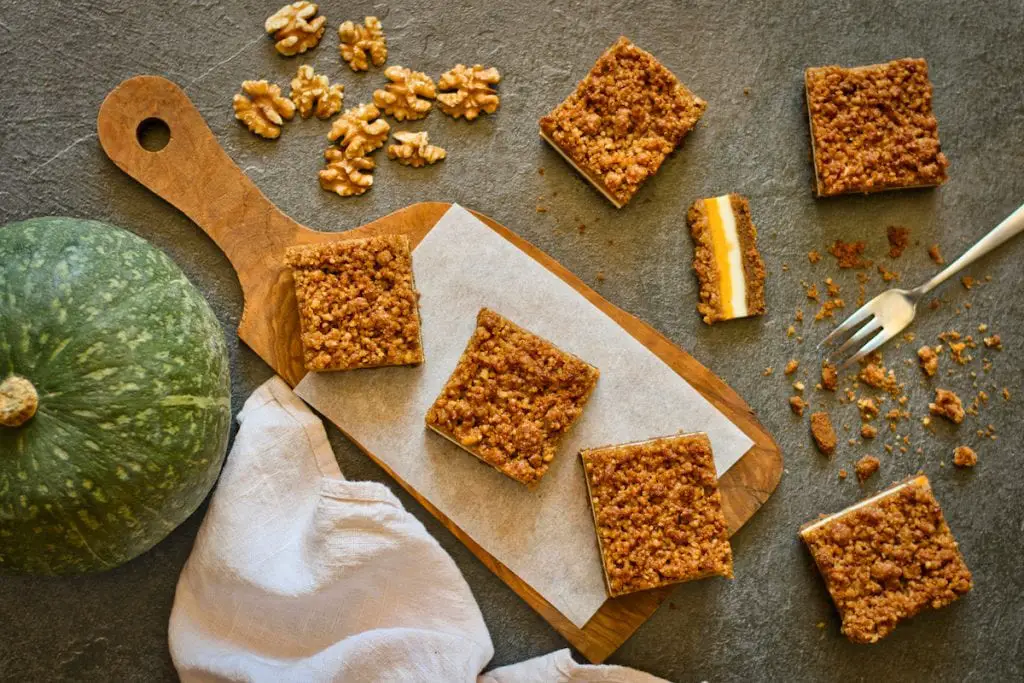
(623, 119)
(888, 560)
(511, 398)
(872, 127)
(358, 305)
(658, 512)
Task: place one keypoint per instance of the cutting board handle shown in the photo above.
(193, 173)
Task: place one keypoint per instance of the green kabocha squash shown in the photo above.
(114, 396)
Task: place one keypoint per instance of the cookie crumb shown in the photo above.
(849, 254)
(899, 238)
(868, 431)
(993, 342)
(842, 475)
(868, 408)
(936, 255)
(791, 366)
(813, 256)
(929, 360)
(797, 405)
(768, 371)
(829, 376)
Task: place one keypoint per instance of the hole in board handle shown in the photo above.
(153, 134)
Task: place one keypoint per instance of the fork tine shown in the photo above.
(868, 329)
(858, 316)
(875, 342)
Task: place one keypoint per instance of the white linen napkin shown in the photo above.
(300, 575)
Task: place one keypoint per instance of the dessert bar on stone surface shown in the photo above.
(728, 265)
(622, 120)
(511, 398)
(358, 305)
(872, 128)
(887, 558)
(658, 512)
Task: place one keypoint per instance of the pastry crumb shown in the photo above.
(829, 376)
(813, 256)
(791, 366)
(993, 342)
(948, 405)
(868, 431)
(929, 360)
(797, 404)
(849, 254)
(866, 467)
(964, 456)
(898, 237)
(936, 255)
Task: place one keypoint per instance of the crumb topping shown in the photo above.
(889, 560)
(658, 512)
(829, 376)
(873, 128)
(899, 238)
(964, 456)
(948, 405)
(511, 398)
(358, 305)
(823, 433)
(623, 119)
(865, 467)
(849, 254)
(929, 360)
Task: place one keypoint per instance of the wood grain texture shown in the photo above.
(195, 175)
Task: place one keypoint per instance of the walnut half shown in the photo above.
(357, 42)
(360, 129)
(346, 177)
(313, 93)
(266, 111)
(415, 150)
(472, 91)
(408, 94)
(292, 30)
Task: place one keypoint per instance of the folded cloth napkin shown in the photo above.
(300, 575)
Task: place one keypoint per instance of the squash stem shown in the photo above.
(18, 401)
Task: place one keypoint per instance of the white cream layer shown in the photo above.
(734, 256)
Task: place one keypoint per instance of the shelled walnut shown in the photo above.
(312, 93)
(262, 108)
(408, 94)
(293, 30)
(361, 130)
(415, 150)
(346, 176)
(359, 42)
(472, 91)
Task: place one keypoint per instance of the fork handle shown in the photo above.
(1011, 225)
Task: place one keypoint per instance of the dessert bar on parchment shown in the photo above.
(623, 119)
(872, 128)
(511, 398)
(658, 512)
(887, 558)
(358, 305)
(725, 258)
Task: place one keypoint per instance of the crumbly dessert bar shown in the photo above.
(725, 258)
(622, 120)
(658, 512)
(872, 128)
(358, 305)
(887, 558)
(511, 398)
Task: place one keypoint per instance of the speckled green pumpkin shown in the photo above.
(131, 371)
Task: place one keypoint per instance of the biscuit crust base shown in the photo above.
(887, 558)
(657, 512)
(704, 265)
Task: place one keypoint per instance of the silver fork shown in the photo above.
(890, 312)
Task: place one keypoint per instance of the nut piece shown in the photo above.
(415, 149)
(359, 41)
(292, 29)
(347, 177)
(824, 435)
(360, 130)
(266, 112)
(403, 96)
(472, 91)
(313, 94)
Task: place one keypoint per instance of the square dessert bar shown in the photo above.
(887, 558)
(872, 128)
(725, 258)
(621, 122)
(358, 305)
(511, 398)
(658, 512)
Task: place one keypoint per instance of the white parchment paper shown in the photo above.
(545, 536)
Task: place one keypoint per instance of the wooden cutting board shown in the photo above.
(194, 174)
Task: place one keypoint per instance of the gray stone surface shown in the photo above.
(774, 621)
